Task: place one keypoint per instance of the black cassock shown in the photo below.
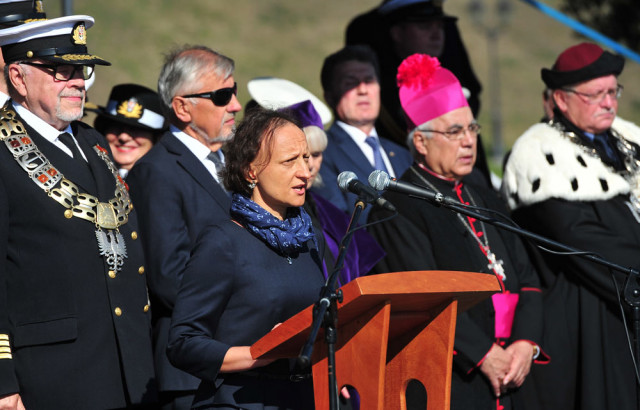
(425, 237)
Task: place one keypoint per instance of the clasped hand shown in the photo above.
(507, 368)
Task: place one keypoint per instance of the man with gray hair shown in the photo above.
(177, 191)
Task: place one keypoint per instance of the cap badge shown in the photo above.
(130, 108)
(38, 6)
(80, 34)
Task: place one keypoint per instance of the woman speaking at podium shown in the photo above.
(251, 273)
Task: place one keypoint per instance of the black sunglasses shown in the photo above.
(220, 97)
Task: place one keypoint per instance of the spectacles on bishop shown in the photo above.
(65, 72)
(219, 97)
(457, 133)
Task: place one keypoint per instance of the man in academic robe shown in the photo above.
(574, 179)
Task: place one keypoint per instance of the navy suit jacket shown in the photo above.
(175, 196)
(343, 154)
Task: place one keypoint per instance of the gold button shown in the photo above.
(118, 311)
(29, 54)
(112, 274)
(68, 214)
(146, 308)
(141, 270)
(134, 235)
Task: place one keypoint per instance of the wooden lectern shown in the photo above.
(392, 328)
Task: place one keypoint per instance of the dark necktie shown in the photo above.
(217, 161)
(69, 142)
(605, 149)
(378, 162)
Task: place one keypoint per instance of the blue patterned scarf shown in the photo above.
(286, 237)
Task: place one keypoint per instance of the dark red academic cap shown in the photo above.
(582, 62)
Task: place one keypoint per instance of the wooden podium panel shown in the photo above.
(392, 328)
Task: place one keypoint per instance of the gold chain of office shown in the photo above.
(107, 216)
(631, 173)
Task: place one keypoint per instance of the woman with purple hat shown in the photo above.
(497, 340)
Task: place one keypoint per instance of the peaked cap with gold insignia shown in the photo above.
(14, 12)
(132, 105)
(61, 40)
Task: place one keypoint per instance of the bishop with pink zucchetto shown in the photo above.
(498, 340)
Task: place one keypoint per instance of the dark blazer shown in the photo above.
(80, 338)
(343, 154)
(176, 197)
(234, 291)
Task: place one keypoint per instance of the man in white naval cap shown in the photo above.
(74, 312)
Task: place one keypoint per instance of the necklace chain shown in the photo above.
(631, 173)
(495, 264)
(106, 216)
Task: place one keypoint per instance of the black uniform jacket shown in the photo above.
(80, 338)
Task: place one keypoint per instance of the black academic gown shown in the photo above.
(584, 332)
(425, 237)
(80, 338)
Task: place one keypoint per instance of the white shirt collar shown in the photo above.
(39, 125)
(356, 133)
(196, 147)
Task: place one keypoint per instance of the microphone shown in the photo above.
(348, 182)
(381, 181)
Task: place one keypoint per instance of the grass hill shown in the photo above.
(289, 39)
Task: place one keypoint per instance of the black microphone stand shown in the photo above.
(325, 313)
(630, 292)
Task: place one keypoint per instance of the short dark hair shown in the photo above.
(361, 53)
(259, 124)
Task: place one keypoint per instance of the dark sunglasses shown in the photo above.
(219, 97)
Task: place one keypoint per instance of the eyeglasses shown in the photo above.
(220, 97)
(597, 98)
(457, 133)
(65, 72)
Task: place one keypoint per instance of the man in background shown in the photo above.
(177, 190)
(351, 88)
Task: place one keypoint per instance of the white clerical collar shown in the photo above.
(39, 125)
(196, 147)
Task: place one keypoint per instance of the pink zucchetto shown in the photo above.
(427, 90)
